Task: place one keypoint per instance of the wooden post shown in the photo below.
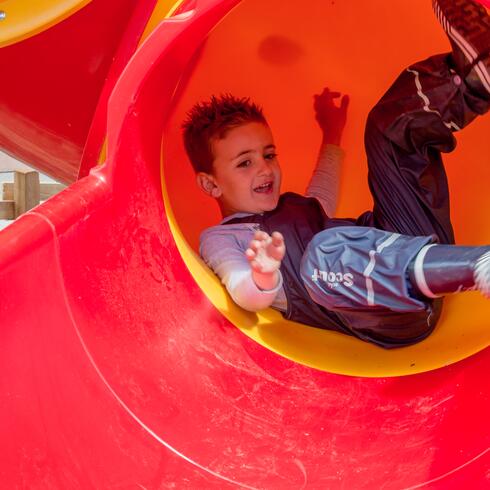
(7, 210)
(26, 191)
(46, 190)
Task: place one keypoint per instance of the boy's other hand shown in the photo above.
(265, 254)
(331, 117)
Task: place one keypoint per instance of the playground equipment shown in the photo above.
(123, 364)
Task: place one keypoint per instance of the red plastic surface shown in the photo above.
(51, 84)
(118, 372)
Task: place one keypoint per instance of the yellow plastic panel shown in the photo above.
(281, 56)
(163, 9)
(20, 19)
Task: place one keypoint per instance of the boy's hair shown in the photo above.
(213, 119)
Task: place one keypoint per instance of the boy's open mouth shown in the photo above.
(265, 188)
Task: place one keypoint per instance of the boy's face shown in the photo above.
(246, 174)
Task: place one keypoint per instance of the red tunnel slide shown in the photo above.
(119, 373)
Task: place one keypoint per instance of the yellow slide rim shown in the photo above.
(464, 327)
(334, 352)
(22, 19)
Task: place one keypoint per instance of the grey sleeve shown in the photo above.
(325, 181)
(225, 255)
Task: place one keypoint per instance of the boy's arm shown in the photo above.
(325, 181)
(230, 263)
(324, 184)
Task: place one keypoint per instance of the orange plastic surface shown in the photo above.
(282, 67)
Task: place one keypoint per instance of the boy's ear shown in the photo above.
(208, 184)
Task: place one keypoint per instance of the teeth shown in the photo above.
(264, 188)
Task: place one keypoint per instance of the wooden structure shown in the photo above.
(25, 192)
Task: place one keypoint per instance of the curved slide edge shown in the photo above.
(52, 83)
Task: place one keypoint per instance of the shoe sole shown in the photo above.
(460, 33)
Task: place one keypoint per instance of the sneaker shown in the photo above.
(445, 269)
(467, 24)
(482, 275)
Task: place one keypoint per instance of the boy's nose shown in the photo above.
(265, 167)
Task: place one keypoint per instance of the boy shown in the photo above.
(379, 277)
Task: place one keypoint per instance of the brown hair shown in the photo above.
(213, 119)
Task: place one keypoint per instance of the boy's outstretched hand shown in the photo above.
(331, 117)
(265, 254)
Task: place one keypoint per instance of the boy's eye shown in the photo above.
(245, 163)
(270, 156)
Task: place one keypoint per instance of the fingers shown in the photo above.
(327, 92)
(258, 261)
(256, 245)
(328, 96)
(277, 239)
(250, 254)
(278, 246)
(261, 241)
(261, 235)
(344, 103)
(252, 258)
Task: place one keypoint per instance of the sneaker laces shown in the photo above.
(482, 274)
